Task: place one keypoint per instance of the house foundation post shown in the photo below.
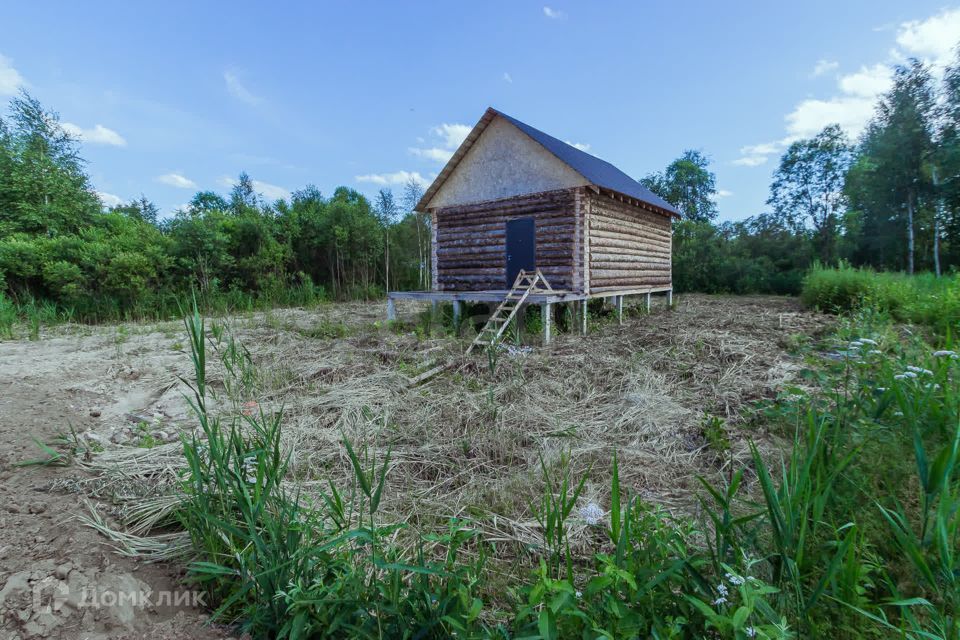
(456, 314)
(619, 302)
(521, 321)
(546, 319)
(583, 317)
(669, 299)
(648, 302)
(391, 310)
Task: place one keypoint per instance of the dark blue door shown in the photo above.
(521, 247)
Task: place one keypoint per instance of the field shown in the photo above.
(465, 445)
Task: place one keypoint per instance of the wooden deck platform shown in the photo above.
(497, 295)
(545, 299)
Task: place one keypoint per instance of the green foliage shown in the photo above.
(282, 568)
(825, 543)
(922, 299)
(58, 245)
(689, 185)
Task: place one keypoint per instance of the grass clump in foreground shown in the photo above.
(853, 535)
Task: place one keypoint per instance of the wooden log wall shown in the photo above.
(469, 242)
(628, 247)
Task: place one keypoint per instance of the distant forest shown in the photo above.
(889, 200)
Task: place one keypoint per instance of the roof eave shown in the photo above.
(643, 204)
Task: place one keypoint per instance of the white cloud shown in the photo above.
(177, 180)
(868, 82)
(238, 90)
(723, 193)
(932, 39)
(450, 137)
(750, 161)
(554, 14)
(453, 134)
(578, 145)
(99, 134)
(507, 77)
(108, 199)
(395, 178)
(270, 192)
(763, 149)
(432, 153)
(824, 66)
(10, 78)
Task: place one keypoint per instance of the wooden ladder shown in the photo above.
(525, 284)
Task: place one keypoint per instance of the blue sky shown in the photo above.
(174, 97)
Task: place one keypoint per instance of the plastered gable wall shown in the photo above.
(502, 163)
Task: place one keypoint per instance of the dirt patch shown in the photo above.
(58, 579)
(467, 444)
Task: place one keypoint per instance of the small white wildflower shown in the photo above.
(578, 594)
(722, 589)
(734, 579)
(719, 601)
(875, 352)
(751, 632)
(933, 386)
(880, 389)
(899, 376)
(944, 353)
(914, 369)
(899, 414)
(592, 513)
(868, 341)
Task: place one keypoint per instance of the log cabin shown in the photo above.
(513, 198)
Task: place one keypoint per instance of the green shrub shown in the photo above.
(922, 299)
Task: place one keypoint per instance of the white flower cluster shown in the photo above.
(592, 514)
(734, 579)
(912, 373)
(946, 353)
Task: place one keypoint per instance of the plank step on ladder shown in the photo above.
(524, 284)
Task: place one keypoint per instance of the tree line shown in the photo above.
(59, 244)
(888, 200)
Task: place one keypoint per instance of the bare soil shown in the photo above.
(467, 444)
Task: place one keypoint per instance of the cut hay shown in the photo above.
(469, 443)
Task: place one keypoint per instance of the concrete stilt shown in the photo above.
(546, 320)
(391, 310)
(521, 321)
(457, 309)
(619, 302)
(583, 317)
(669, 298)
(648, 303)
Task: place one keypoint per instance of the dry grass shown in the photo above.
(468, 443)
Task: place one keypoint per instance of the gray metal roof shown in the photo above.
(598, 172)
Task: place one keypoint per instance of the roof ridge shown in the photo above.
(599, 172)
